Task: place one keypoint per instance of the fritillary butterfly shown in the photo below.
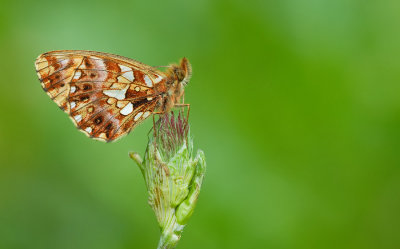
(107, 95)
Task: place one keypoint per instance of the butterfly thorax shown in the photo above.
(178, 77)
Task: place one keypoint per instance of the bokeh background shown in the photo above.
(296, 104)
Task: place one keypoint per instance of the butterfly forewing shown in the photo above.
(105, 95)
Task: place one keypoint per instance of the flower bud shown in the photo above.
(173, 177)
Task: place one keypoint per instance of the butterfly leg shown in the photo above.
(154, 123)
(183, 106)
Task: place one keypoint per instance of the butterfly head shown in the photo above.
(182, 72)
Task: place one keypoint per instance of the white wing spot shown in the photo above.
(129, 76)
(146, 114)
(158, 79)
(88, 129)
(77, 75)
(148, 81)
(149, 98)
(78, 118)
(124, 68)
(137, 89)
(118, 94)
(138, 116)
(73, 89)
(127, 109)
(73, 104)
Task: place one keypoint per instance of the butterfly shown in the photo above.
(107, 95)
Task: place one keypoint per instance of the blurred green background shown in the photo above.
(296, 104)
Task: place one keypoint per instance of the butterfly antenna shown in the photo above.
(161, 66)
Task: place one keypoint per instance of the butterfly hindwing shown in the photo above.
(105, 95)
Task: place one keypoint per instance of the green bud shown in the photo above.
(173, 177)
